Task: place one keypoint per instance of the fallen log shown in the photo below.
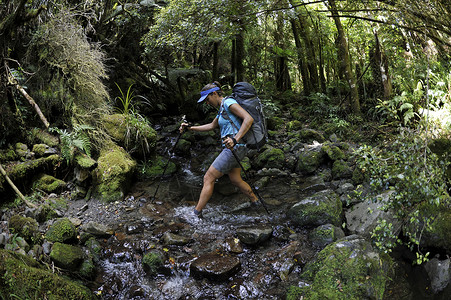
(28, 203)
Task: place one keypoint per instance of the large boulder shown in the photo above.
(114, 173)
(321, 208)
(363, 217)
(346, 269)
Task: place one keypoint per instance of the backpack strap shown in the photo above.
(226, 115)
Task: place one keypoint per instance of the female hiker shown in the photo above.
(226, 162)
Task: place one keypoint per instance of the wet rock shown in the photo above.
(363, 217)
(215, 266)
(62, 231)
(233, 245)
(134, 228)
(325, 234)
(439, 273)
(174, 239)
(319, 209)
(97, 229)
(66, 256)
(254, 235)
(152, 262)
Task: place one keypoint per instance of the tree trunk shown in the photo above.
(345, 61)
(239, 76)
(301, 59)
(215, 69)
(380, 69)
(16, 190)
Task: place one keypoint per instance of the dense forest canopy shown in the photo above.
(340, 61)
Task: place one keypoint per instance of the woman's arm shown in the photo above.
(205, 127)
(240, 112)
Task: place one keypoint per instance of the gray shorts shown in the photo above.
(226, 161)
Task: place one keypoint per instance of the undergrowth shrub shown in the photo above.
(418, 180)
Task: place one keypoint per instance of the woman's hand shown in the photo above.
(183, 127)
(229, 142)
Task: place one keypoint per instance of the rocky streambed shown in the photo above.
(314, 241)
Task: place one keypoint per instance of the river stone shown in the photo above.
(363, 217)
(215, 266)
(174, 239)
(97, 229)
(439, 273)
(233, 245)
(66, 256)
(321, 208)
(254, 235)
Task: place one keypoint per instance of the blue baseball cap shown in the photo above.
(204, 94)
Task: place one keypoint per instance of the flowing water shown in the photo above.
(266, 269)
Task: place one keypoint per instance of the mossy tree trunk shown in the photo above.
(345, 69)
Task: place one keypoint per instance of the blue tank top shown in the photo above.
(224, 117)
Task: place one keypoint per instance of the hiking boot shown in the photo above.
(198, 214)
(256, 204)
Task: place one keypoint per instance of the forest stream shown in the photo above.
(226, 268)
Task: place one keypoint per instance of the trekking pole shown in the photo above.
(169, 159)
(254, 189)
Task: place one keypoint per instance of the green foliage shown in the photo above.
(418, 180)
(398, 109)
(77, 139)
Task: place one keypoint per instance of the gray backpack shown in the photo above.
(245, 94)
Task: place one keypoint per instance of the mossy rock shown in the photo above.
(310, 159)
(275, 123)
(325, 234)
(271, 158)
(308, 135)
(24, 171)
(183, 148)
(25, 227)
(25, 278)
(341, 169)
(321, 208)
(124, 129)
(40, 149)
(49, 184)
(347, 269)
(114, 173)
(62, 231)
(87, 269)
(85, 162)
(333, 152)
(294, 125)
(8, 154)
(43, 136)
(152, 262)
(115, 125)
(67, 256)
(155, 167)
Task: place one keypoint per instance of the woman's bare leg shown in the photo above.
(235, 178)
(207, 190)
